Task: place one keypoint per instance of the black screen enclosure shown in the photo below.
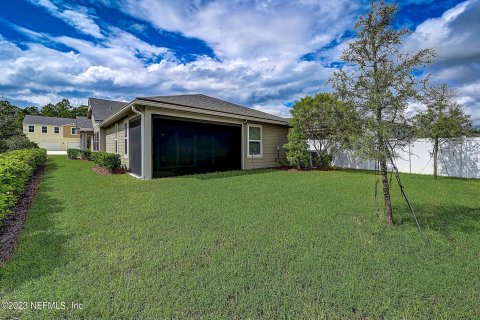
(183, 146)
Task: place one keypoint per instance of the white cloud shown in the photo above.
(258, 47)
(455, 35)
(278, 110)
(78, 17)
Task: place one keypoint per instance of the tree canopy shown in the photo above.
(443, 119)
(325, 121)
(378, 81)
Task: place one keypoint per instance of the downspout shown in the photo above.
(142, 116)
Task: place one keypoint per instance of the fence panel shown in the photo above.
(457, 158)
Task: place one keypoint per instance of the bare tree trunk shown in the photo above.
(435, 158)
(386, 191)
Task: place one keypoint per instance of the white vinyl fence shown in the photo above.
(457, 158)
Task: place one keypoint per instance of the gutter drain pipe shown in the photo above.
(142, 124)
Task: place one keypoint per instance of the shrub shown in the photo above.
(108, 160)
(85, 154)
(93, 156)
(16, 167)
(297, 148)
(73, 154)
(322, 160)
(19, 142)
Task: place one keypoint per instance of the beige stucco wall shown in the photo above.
(50, 137)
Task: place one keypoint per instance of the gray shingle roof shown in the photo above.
(201, 101)
(52, 121)
(102, 108)
(83, 123)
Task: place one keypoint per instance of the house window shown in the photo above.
(125, 138)
(44, 129)
(254, 141)
(31, 128)
(116, 137)
(56, 129)
(73, 130)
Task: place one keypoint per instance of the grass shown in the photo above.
(259, 244)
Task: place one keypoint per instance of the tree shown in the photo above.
(80, 111)
(11, 132)
(61, 109)
(297, 148)
(443, 119)
(325, 121)
(378, 81)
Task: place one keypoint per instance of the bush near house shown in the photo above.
(85, 154)
(16, 167)
(322, 160)
(111, 161)
(73, 154)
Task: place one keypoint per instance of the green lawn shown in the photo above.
(262, 244)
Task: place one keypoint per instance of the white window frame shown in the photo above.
(125, 139)
(249, 140)
(73, 129)
(55, 129)
(46, 129)
(31, 127)
(116, 138)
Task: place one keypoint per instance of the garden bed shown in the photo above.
(106, 172)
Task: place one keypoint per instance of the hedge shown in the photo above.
(85, 154)
(107, 160)
(16, 167)
(73, 153)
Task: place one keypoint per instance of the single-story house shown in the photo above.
(51, 133)
(184, 134)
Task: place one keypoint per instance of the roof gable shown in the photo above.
(102, 108)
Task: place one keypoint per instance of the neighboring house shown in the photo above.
(185, 134)
(51, 133)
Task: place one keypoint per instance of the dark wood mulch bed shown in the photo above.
(12, 224)
(106, 172)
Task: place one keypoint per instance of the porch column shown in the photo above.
(147, 153)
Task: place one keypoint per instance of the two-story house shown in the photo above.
(51, 133)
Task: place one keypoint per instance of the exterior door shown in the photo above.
(135, 146)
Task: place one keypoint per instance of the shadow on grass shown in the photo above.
(41, 246)
(445, 219)
(226, 174)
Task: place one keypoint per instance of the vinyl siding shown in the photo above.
(110, 141)
(272, 136)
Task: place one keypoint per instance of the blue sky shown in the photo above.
(262, 54)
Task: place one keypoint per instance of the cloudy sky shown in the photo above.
(262, 54)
